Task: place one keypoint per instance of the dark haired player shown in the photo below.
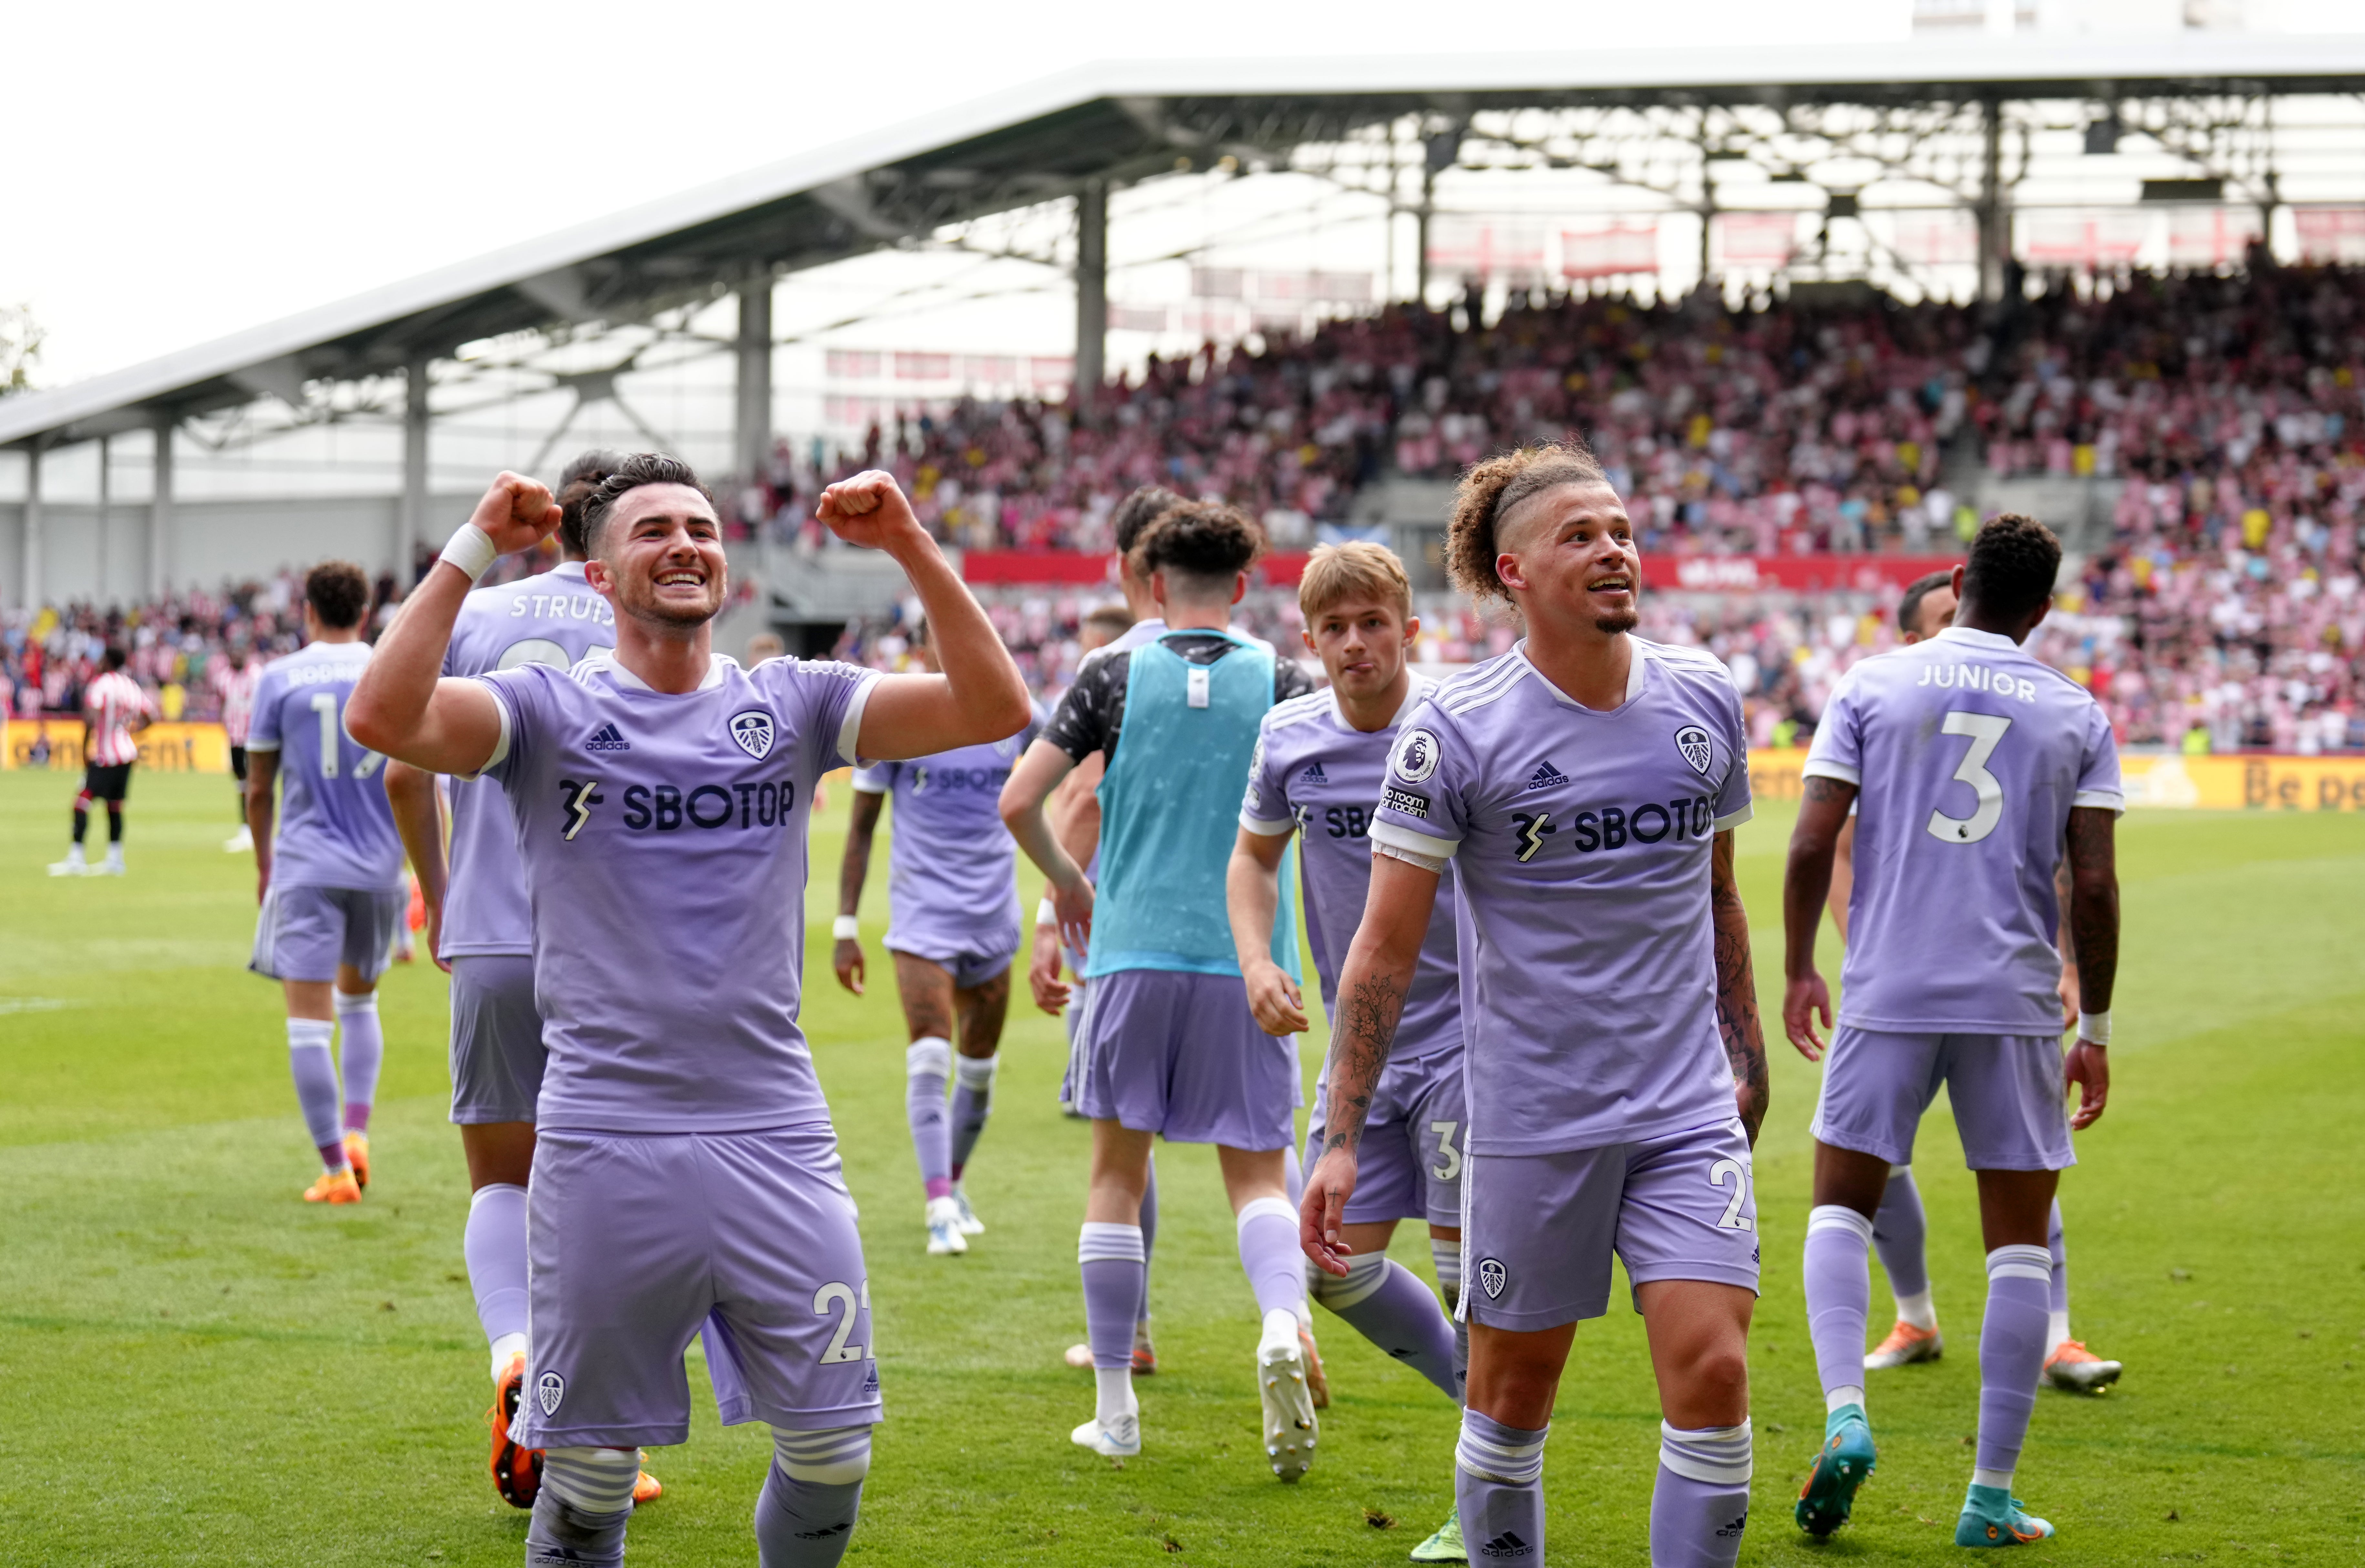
(331, 881)
(1170, 1046)
(684, 1162)
(1074, 813)
(1586, 786)
(1970, 763)
(952, 928)
(113, 710)
(480, 927)
(1900, 1228)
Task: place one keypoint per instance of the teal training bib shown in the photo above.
(1170, 811)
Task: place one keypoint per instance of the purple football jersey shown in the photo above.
(664, 842)
(552, 619)
(335, 827)
(951, 882)
(1968, 753)
(1583, 841)
(1315, 772)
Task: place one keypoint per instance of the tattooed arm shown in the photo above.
(2094, 924)
(1736, 990)
(1805, 885)
(1371, 988)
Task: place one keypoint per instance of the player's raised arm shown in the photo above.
(1371, 988)
(1253, 899)
(1806, 883)
(979, 697)
(2093, 921)
(1736, 990)
(402, 706)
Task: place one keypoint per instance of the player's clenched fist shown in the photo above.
(868, 510)
(516, 513)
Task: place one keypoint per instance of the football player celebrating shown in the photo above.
(1585, 786)
(684, 1162)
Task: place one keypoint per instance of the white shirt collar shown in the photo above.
(573, 569)
(715, 665)
(1995, 640)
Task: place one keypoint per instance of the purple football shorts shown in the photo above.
(969, 969)
(497, 1050)
(1537, 1229)
(1180, 1053)
(2010, 1102)
(634, 1239)
(1410, 1164)
(303, 934)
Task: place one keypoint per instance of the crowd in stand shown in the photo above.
(2224, 610)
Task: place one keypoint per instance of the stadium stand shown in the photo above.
(2222, 610)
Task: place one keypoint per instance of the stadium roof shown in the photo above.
(1118, 121)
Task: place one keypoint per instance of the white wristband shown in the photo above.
(1047, 914)
(846, 928)
(472, 550)
(2094, 1029)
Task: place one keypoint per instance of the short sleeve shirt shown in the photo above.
(1315, 773)
(952, 885)
(663, 838)
(1968, 754)
(1583, 841)
(336, 829)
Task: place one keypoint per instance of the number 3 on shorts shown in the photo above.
(839, 1294)
(1449, 1164)
(1738, 1175)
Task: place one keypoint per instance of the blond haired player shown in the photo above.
(1317, 772)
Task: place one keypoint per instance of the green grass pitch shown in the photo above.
(196, 1367)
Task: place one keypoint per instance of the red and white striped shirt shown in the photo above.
(234, 684)
(109, 703)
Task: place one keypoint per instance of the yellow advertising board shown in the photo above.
(2240, 783)
(164, 747)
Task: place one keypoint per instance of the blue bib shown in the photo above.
(1170, 812)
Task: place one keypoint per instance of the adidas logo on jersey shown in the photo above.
(606, 738)
(1506, 1546)
(1546, 777)
(1314, 775)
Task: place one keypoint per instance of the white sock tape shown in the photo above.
(471, 550)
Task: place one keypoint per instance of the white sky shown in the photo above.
(180, 171)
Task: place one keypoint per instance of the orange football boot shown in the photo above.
(357, 1156)
(517, 1472)
(334, 1187)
